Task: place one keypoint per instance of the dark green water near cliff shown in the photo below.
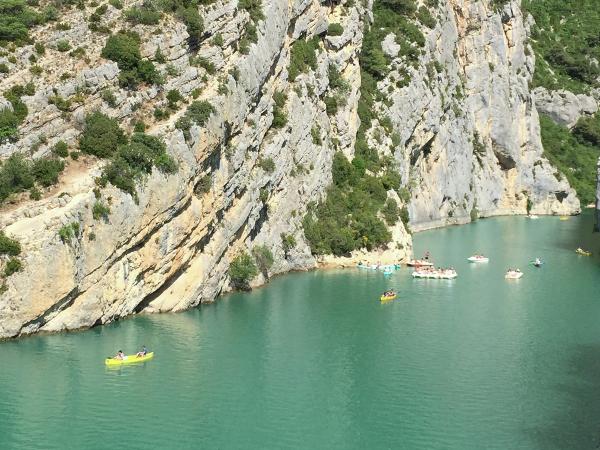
(315, 361)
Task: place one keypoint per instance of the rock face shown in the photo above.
(564, 107)
(469, 130)
(469, 141)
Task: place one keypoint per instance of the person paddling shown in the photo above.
(143, 352)
(120, 355)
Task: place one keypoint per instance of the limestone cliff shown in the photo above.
(470, 138)
(468, 128)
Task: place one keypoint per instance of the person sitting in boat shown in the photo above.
(538, 261)
(142, 352)
(120, 355)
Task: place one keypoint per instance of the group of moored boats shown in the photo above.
(424, 268)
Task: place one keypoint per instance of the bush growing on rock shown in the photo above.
(124, 49)
(68, 232)
(9, 123)
(267, 164)
(197, 113)
(15, 176)
(391, 212)
(9, 246)
(101, 136)
(335, 29)
(264, 259)
(303, 56)
(242, 270)
(100, 210)
(134, 160)
(288, 242)
(46, 171)
(145, 14)
(13, 265)
(61, 149)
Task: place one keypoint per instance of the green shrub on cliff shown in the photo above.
(303, 56)
(136, 159)
(13, 265)
(242, 270)
(264, 258)
(335, 29)
(145, 14)
(101, 136)
(124, 49)
(9, 246)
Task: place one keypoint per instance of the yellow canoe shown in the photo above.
(129, 359)
(387, 298)
(564, 218)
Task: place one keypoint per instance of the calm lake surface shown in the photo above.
(315, 361)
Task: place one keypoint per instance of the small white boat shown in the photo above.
(533, 216)
(513, 274)
(437, 274)
(419, 263)
(478, 259)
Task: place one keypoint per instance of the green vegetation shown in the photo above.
(187, 12)
(10, 120)
(100, 210)
(267, 164)
(9, 246)
(101, 135)
(13, 265)
(131, 159)
(124, 48)
(264, 259)
(136, 159)
(63, 46)
(303, 56)
(242, 270)
(574, 154)
(174, 97)
(288, 242)
(16, 18)
(68, 232)
(279, 115)
(566, 43)
(146, 14)
(61, 149)
(18, 174)
(197, 113)
(349, 217)
(335, 29)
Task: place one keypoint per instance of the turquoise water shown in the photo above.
(315, 361)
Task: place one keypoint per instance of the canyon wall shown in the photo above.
(469, 145)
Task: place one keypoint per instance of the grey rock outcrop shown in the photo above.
(564, 107)
(469, 130)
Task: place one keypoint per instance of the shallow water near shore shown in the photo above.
(314, 360)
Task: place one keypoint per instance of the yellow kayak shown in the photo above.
(564, 218)
(129, 359)
(580, 251)
(387, 298)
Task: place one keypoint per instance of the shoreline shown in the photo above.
(327, 262)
